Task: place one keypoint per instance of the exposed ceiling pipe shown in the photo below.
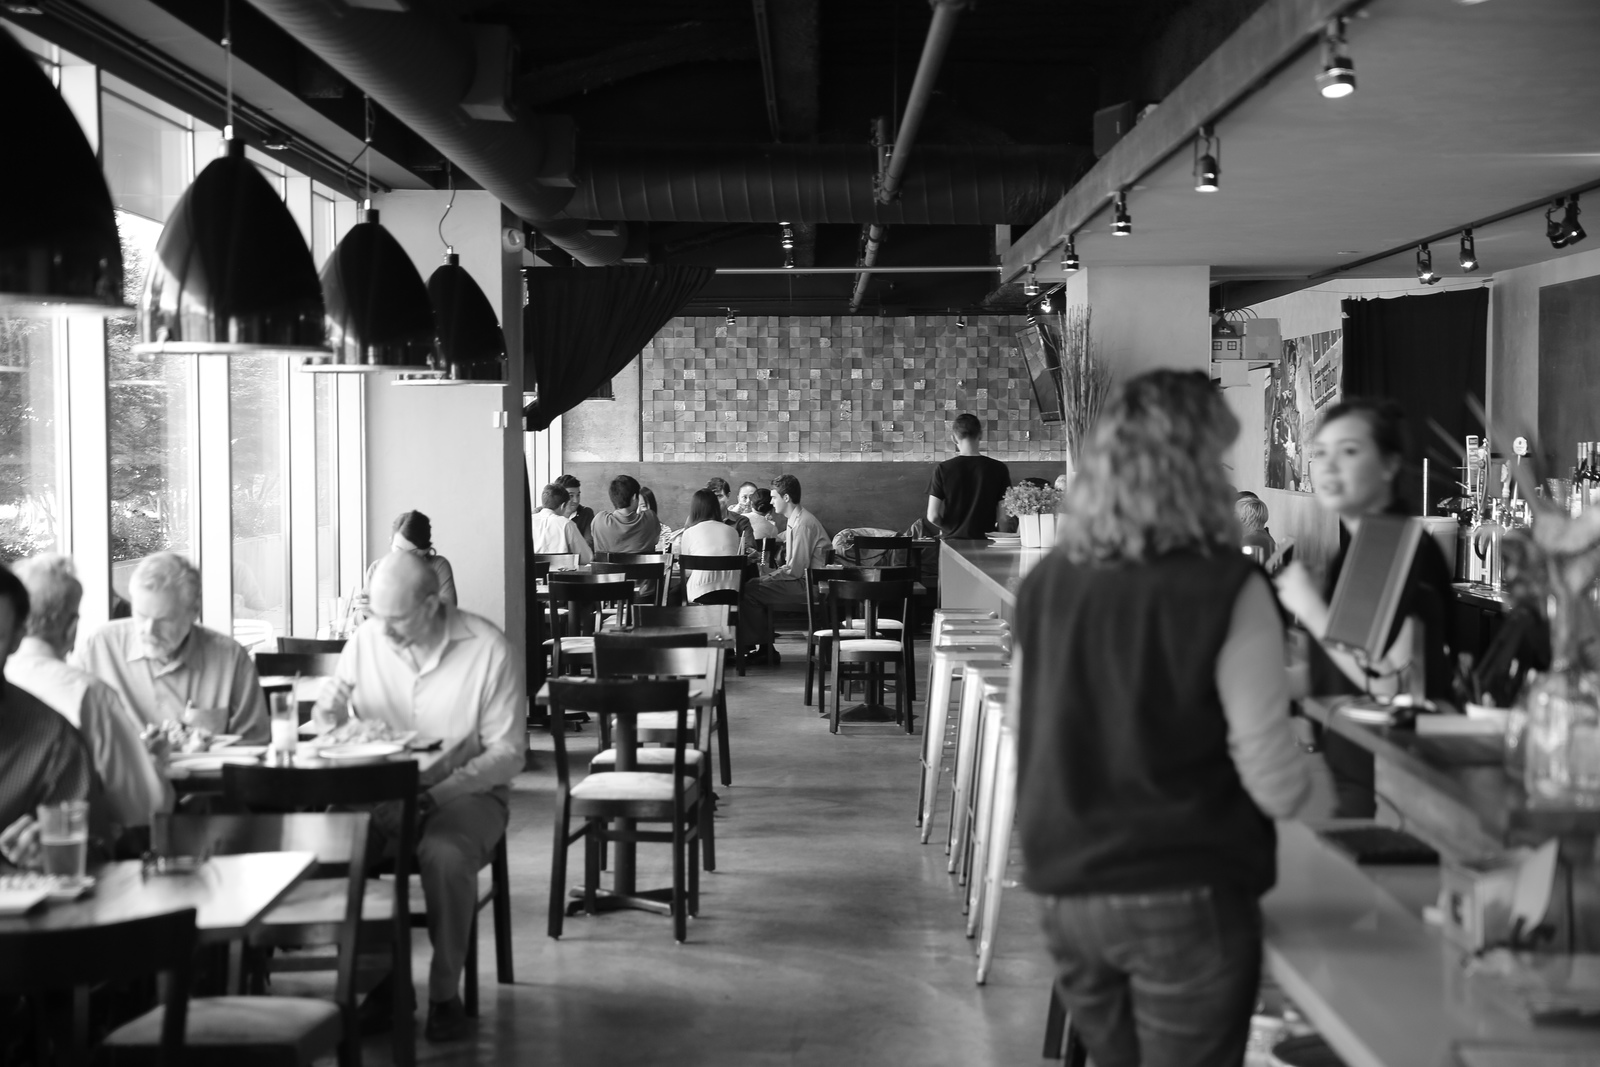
(421, 68)
(945, 13)
(768, 79)
(872, 236)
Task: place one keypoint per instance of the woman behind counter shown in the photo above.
(1356, 458)
(1155, 745)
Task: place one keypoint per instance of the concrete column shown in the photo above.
(1144, 317)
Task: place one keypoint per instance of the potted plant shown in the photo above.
(1035, 509)
(1085, 380)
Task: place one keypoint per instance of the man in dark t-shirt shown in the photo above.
(964, 492)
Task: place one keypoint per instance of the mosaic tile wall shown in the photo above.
(815, 388)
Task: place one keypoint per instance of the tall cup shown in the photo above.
(64, 835)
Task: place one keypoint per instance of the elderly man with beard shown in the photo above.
(420, 663)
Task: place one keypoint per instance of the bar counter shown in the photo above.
(976, 574)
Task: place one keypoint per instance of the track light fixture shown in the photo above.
(1567, 230)
(1030, 286)
(1207, 171)
(1425, 273)
(1121, 224)
(961, 322)
(1045, 305)
(1469, 251)
(729, 320)
(1069, 256)
(1338, 77)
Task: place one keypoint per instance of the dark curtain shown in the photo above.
(1426, 353)
(583, 325)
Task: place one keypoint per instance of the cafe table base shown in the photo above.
(624, 894)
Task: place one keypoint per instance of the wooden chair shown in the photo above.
(556, 561)
(310, 914)
(78, 958)
(669, 654)
(299, 646)
(538, 570)
(723, 597)
(872, 650)
(650, 579)
(285, 1029)
(698, 616)
(305, 664)
(626, 794)
(577, 612)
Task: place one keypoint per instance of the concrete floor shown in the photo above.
(828, 935)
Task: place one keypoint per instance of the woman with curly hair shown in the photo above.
(1155, 745)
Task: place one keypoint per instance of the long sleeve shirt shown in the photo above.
(134, 788)
(211, 670)
(554, 532)
(466, 691)
(806, 545)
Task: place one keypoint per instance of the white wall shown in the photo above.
(440, 450)
(1514, 334)
(1147, 317)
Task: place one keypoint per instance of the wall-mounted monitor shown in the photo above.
(1044, 371)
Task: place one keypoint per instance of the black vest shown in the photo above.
(1125, 783)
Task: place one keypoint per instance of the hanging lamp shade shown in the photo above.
(469, 345)
(59, 251)
(232, 274)
(379, 314)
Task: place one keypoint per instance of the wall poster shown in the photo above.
(1300, 386)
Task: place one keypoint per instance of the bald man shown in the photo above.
(420, 663)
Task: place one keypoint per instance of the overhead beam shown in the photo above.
(1269, 40)
(689, 42)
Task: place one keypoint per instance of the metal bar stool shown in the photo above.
(1002, 814)
(995, 689)
(946, 617)
(948, 659)
(972, 681)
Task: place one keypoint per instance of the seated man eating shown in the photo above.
(421, 664)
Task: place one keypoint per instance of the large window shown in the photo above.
(256, 402)
(31, 503)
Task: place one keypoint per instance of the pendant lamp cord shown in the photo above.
(227, 48)
(450, 176)
(366, 154)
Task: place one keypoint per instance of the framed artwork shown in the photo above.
(1301, 385)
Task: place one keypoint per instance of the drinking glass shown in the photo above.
(64, 835)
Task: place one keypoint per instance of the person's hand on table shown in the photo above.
(158, 743)
(21, 845)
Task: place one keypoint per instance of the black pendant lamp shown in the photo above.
(469, 345)
(379, 314)
(59, 251)
(232, 275)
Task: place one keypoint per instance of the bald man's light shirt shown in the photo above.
(466, 691)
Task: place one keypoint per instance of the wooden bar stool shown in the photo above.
(972, 681)
(1002, 814)
(949, 661)
(990, 713)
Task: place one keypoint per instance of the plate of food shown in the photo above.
(215, 761)
(361, 731)
(360, 751)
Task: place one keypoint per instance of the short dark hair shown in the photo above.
(554, 496)
(719, 486)
(624, 488)
(415, 527)
(761, 500)
(567, 481)
(704, 507)
(786, 485)
(967, 427)
(12, 589)
(750, 484)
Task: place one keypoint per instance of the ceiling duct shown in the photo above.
(949, 186)
(422, 69)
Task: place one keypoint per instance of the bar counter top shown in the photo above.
(977, 574)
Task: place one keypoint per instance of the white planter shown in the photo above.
(1038, 531)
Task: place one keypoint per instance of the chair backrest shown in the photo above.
(33, 960)
(584, 578)
(710, 616)
(622, 698)
(630, 557)
(295, 646)
(653, 637)
(538, 570)
(886, 552)
(306, 664)
(769, 548)
(557, 561)
(651, 576)
(844, 595)
(592, 595)
(337, 839)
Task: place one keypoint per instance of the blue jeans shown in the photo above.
(1164, 979)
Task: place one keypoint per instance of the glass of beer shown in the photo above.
(64, 834)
